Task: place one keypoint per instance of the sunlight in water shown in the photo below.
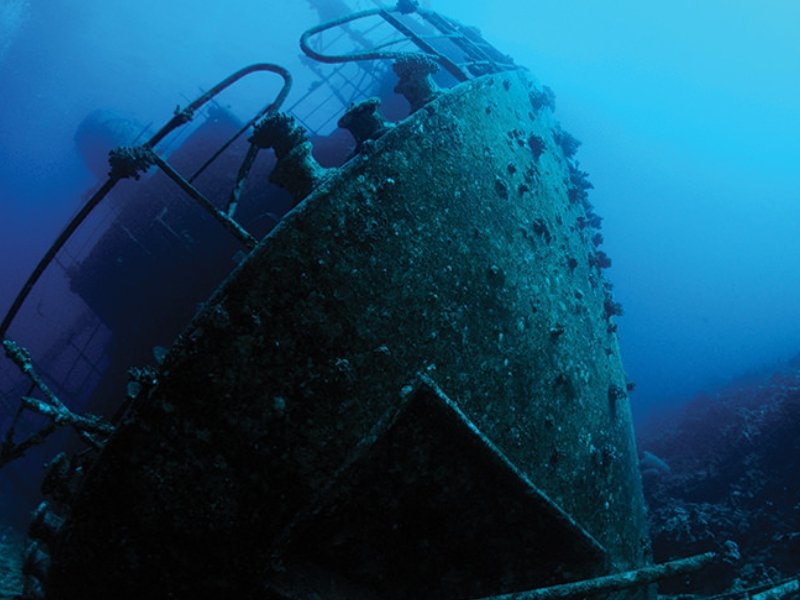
(12, 14)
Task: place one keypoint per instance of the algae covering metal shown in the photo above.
(452, 255)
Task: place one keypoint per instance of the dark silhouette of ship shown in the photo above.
(402, 379)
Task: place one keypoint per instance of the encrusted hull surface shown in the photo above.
(425, 342)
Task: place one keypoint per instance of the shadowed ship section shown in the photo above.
(410, 516)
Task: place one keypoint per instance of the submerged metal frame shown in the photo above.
(126, 163)
(483, 57)
(146, 151)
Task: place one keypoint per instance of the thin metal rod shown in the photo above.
(464, 38)
(385, 14)
(185, 115)
(11, 451)
(93, 430)
(51, 253)
(232, 226)
(448, 64)
(241, 178)
(272, 107)
(180, 118)
(615, 582)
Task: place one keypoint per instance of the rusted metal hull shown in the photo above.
(418, 364)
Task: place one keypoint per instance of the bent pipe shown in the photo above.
(375, 54)
(185, 115)
(269, 108)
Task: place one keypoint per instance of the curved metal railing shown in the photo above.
(478, 56)
(130, 162)
(125, 162)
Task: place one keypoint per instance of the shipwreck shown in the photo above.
(407, 385)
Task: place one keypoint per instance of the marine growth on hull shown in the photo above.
(409, 385)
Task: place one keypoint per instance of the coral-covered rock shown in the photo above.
(734, 458)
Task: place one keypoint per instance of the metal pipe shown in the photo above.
(272, 107)
(615, 582)
(232, 226)
(185, 115)
(385, 14)
(181, 117)
(51, 253)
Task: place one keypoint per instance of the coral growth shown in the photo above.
(579, 183)
(545, 97)
(734, 458)
(11, 579)
(537, 146)
(415, 83)
(612, 308)
(569, 143)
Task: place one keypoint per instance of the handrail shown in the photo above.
(384, 13)
(145, 151)
(182, 117)
(54, 248)
(483, 58)
(273, 106)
